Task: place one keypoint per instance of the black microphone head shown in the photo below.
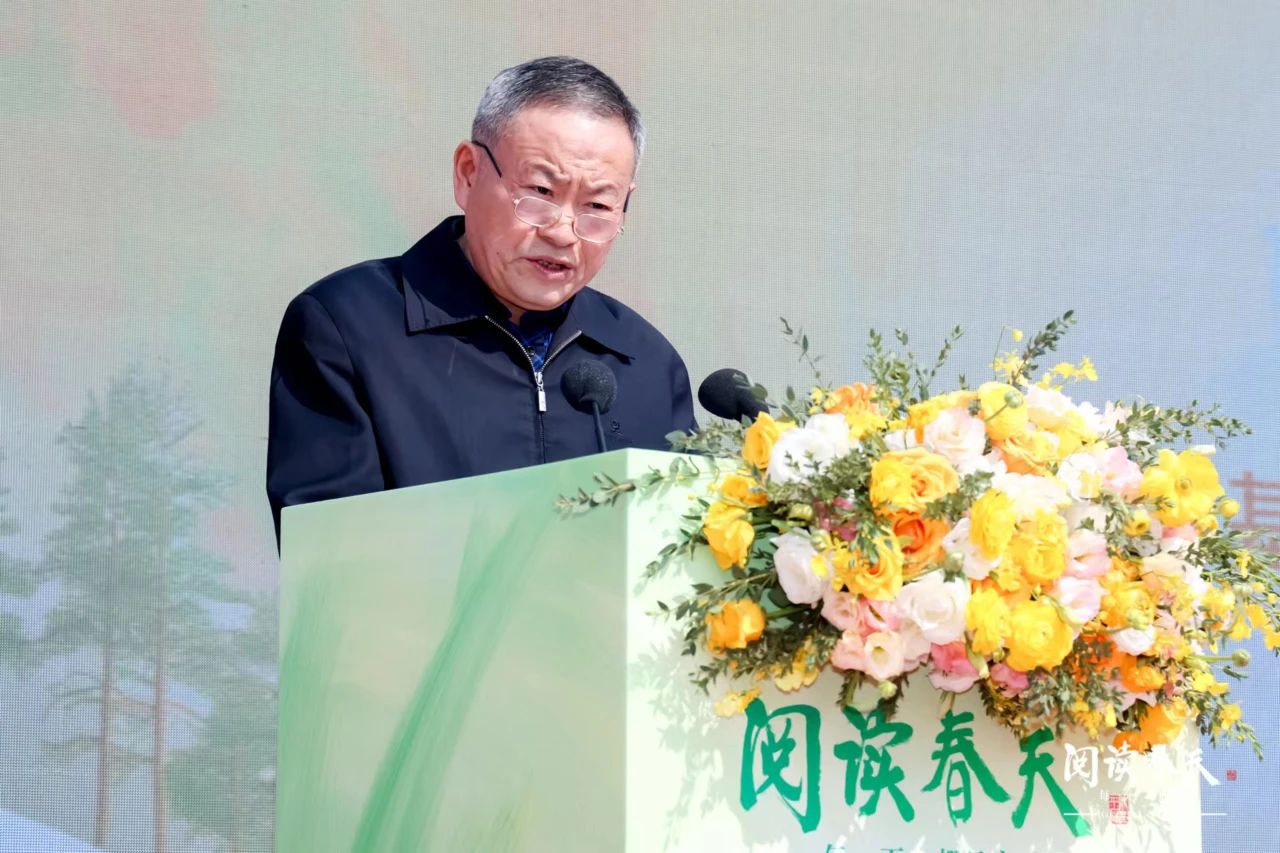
(590, 382)
(726, 393)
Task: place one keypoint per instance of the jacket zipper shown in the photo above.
(537, 375)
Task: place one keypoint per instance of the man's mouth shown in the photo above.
(551, 266)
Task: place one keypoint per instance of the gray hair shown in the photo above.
(556, 81)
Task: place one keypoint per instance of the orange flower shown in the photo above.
(738, 624)
(1137, 677)
(921, 541)
(850, 399)
(1161, 725)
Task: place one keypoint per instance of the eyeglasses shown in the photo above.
(541, 213)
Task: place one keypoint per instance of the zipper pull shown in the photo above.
(542, 391)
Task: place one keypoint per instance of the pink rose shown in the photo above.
(1082, 597)
(880, 615)
(952, 670)
(1087, 554)
(1010, 681)
(847, 652)
(883, 655)
(841, 609)
(1119, 474)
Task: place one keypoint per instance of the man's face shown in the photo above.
(573, 159)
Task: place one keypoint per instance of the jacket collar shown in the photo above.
(442, 289)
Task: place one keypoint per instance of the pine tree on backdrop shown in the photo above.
(135, 590)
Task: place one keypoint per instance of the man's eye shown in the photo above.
(601, 206)
(541, 190)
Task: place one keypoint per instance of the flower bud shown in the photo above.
(888, 689)
(1138, 619)
(1229, 508)
(1139, 523)
(1012, 399)
(800, 512)
(1206, 524)
(1241, 657)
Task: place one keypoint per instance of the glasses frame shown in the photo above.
(560, 207)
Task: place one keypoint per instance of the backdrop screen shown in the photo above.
(172, 173)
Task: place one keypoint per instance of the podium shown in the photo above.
(465, 669)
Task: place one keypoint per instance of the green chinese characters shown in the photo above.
(782, 750)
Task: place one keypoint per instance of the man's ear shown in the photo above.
(465, 170)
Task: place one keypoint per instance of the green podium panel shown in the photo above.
(463, 669)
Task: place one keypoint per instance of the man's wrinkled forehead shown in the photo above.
(549, 136)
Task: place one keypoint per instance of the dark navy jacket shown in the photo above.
(399, 371)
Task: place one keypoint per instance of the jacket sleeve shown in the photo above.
(320, 440)
(681, 398)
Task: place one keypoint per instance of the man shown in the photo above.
(447, 361)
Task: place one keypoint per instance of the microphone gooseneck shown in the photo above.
(590, 386)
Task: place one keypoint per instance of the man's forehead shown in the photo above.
(562, 142)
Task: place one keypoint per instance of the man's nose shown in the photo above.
(560, 232)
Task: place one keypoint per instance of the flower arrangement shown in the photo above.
(1066, 561)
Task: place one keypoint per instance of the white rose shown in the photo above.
(937, 606)
(794, 561)
(835, 428)
(900, 439)
(1082, 475)
(1134, 641)
(1048, 408)
(802, 452)
(1031, 494)
(1079, 512)
(958, 436)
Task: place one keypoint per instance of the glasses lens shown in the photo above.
(597, 229)
(537, 212)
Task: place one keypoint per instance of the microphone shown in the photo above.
(590, 386)
(726, 393)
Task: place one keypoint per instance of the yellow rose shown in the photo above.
(1002, 419)
(1072, 433)
(880, 580)
(992, 522)
(744, 490)
(1123, 601)
(987, 617)
(905, 481)
(729, 534)
(861, 423)
(1038, 547)
(735, 626)
(1185, 485)
(757, 444)
(1029, 451)
(1038, 638)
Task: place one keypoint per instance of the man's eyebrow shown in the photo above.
(603, 185)
(545, 170)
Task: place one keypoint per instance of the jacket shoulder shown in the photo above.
(639, 334)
